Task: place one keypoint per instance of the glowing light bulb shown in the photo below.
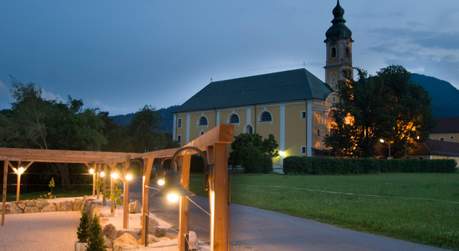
(382, 141)
(129, 177)
(102, 174)
(161, 182)
(283, 154)
(20, 170)
(91, 171)
(115, 175)
(173, 197)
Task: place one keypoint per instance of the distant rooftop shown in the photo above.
(285, 86)
(446, 125)
(438, 147)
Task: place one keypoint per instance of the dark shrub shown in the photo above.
(305, 165)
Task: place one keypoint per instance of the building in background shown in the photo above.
(292, 105)
(446, 129)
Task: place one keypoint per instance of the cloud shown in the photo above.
(47, 95)
(420, 50)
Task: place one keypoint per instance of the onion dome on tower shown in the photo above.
(339, 30)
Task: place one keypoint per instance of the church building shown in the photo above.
(292, 105)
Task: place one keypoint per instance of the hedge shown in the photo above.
(308, 165)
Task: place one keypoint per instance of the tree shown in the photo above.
(83, 227)
(253, 153)
(384, 106)
(96, 238)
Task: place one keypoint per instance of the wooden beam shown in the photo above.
(183, 208)
(5, 181)
(126, 196)
(147, 171)
(219, 202)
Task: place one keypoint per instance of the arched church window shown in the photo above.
(234, 119)
(249, 129)
(266, 117)
(203, 121)
(333, 52)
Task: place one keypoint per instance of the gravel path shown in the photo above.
(55, 231)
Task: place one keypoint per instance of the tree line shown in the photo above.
(36, 122)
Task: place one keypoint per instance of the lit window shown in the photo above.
(266, 117)
(179, 123)
(234, 119)
(203, 121)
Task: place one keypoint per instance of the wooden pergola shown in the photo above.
(215, 143)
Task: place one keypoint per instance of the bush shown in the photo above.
(253, 153)
(83, 228)
(306, 165)
(96, 238)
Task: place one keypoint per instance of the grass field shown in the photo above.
(58, 193)
(418, 207)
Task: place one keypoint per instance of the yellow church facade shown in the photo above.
(292, 105)
(298, 127)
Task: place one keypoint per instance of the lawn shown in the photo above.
(75, 192)
(418, 207)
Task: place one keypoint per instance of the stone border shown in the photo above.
(45, 205)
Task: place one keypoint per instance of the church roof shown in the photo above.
(338, 30)
(285, 86)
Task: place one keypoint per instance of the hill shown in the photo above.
(445, 97)
(166, 115)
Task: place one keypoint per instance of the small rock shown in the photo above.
(159, 232)
(65, 206)
(193, 241)
(20, 205)
(108, 242)
(125, 241)
(30, 203)
(110, 231)
(51, 207)
(41, 203)
(32, 209)
(77, 204)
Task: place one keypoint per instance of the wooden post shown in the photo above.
(18, 187)
(147, 169)
(104, 184)
(183, 211)
(126, 197)
(112, 197)
(219, 201)
(5, 180)
(96, 166)
(94, 181)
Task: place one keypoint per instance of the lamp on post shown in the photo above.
(19, 171)
(114, 176)
(388, 147)
(126, 179)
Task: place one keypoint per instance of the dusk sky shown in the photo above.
(120, 55)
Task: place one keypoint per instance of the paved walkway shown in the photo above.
(256, 229)
(54, 231)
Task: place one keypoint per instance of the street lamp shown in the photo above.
(19, 171)
(388, 147)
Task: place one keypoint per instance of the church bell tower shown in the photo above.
(339, 52)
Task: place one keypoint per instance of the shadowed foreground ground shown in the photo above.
(54, 231)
